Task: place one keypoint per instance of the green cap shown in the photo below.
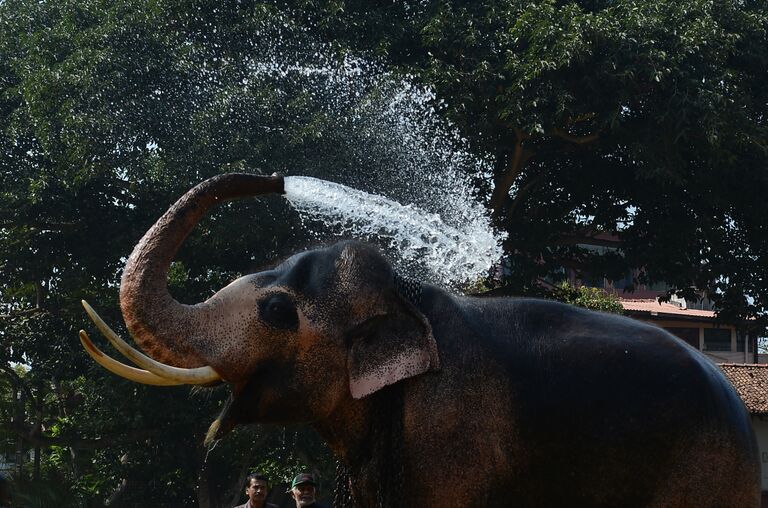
(303, 478)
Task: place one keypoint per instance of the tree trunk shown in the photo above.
(114, 498)
(239, 488)
(38, 430)
(19, 417)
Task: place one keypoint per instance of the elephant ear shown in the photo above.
(391, 347)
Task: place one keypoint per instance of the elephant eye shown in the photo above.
(278, 310)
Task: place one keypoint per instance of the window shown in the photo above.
(592, 281)
(555, 277)
(689, 335)
(657, 286)
(717, 339)
(742, 340)
(703, 304)
(624, 283)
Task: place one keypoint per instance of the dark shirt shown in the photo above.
(247, 505)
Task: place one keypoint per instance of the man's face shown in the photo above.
(303, 494)
(256, 491)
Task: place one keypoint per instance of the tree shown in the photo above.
(104, 123)
(597, 116)
(646, 120)
(587, 297)
(108, 112)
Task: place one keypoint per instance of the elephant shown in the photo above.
(431, 398)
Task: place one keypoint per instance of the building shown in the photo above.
(693, 322)
(751, 381)
(722, 343)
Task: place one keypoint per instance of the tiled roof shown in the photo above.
(751, 381)
(653, 307)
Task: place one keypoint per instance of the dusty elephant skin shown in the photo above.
(449, 400)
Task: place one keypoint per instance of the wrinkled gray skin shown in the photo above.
(504, 402)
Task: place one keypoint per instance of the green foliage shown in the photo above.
(43, 493)
(639, 118)
(587, 297)
(296, 451)
(643, 119)
(103, 123)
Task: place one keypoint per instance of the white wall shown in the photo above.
(728, 357)
(761, 430)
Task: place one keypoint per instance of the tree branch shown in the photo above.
(588, 240)
(522, 193)
(581, 118)
(579, 140)
(519, 159)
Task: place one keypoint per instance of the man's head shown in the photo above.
(256, 489)
(303, 489)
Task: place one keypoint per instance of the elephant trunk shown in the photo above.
(161, 325)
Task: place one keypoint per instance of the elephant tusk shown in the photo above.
(197, 376)
(122, 370)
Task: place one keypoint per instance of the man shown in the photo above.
(256, 488)
(303, 491)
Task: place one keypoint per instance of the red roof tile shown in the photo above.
(751, 382)
(653, 307)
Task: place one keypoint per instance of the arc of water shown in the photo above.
(453, 253)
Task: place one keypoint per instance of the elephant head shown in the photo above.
(295, 342)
